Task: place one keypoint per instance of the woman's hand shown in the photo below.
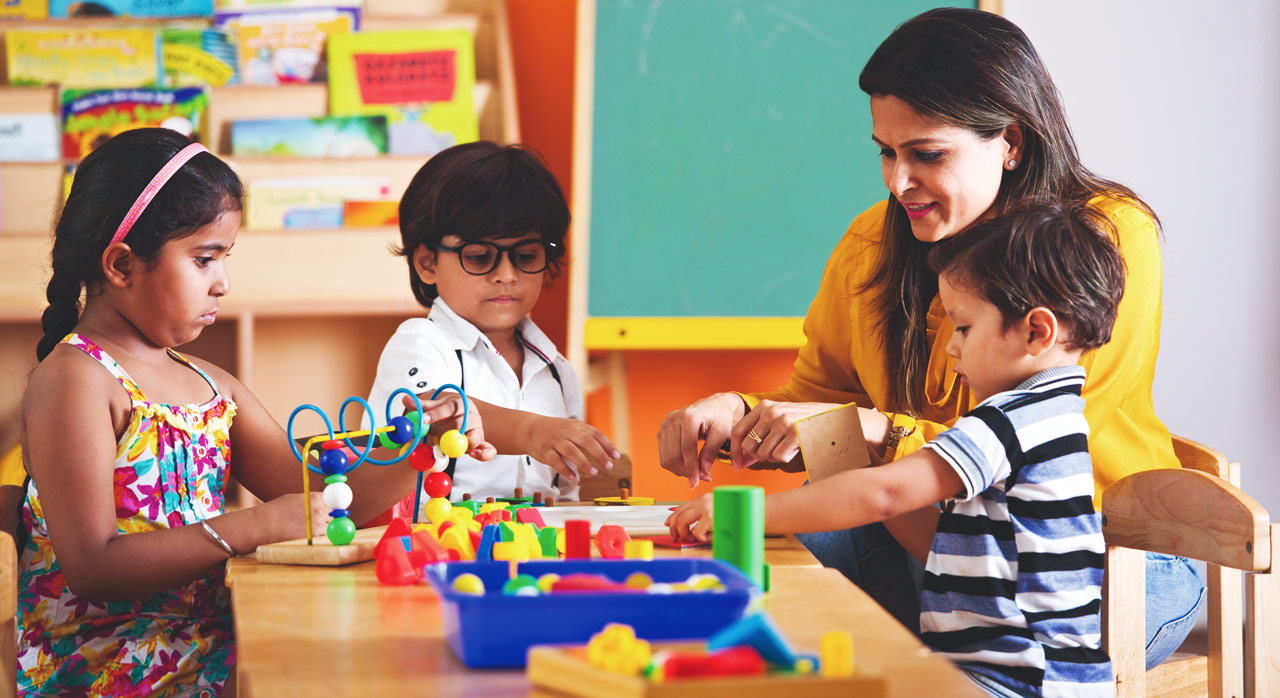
(280, 519)
(565, 444)
(767, 434)
(692, 520)
(875, 431)
(445, 413)
(708, 420)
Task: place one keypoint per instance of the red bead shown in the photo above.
(438, 485)
(330, 445)
(422, 458)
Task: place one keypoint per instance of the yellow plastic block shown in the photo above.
(836, 654)
(638, 550)
(458, 539)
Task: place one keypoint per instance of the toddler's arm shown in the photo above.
(849, 499)
(558, 442)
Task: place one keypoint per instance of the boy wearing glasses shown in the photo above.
(482, 228)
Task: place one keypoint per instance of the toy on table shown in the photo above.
(624, 498)
(748, 658)
(737, 535)
(404, 432)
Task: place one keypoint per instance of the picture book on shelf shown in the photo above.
(307, 203)
(24, 9)
(197, 56)
(91, 117)
(83, 57)
(323, 137)
(130, 8)
(279, 46)
(421, 80)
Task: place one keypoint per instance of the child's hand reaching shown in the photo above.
(280, 520)
(445, 413)
(692, 520)
(562, 443)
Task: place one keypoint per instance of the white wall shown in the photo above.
(1180, 100)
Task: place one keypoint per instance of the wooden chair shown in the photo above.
(1197, 512)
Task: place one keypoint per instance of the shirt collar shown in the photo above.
(1054, 378)
(466, 336)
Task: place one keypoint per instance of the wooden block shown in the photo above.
(321, 552)
(832, 442)
(565, 671)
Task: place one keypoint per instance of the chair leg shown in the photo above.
(1124, 619)
(1262, 631)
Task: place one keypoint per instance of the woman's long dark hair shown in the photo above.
(106, 184)
(978, 71)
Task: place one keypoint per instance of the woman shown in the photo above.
(969, 124)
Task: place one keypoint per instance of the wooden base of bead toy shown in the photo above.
(565, 671)
(297, 552)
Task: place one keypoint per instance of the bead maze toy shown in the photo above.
(402, 432)
(747, 659)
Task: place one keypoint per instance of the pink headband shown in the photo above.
(153, 187)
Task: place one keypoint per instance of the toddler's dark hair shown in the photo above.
(480, 191)
(106, 184)
(1058, 255)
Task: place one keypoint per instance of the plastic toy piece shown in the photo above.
(438, 485)
(489, 535)
(527, 535)
(547, 540)
(397, 528)
(453, 444)
(467, 583)
(516, 586)
(638, 550)
(624, 498)
(529, 515)
(639, 580)
(737, 536)
(537, 499)
(394, 567)
(458, 540)
(759, 632)
(669, 542)
(340, 530)
(733, 661)
(587, 582)
(437, 510)
(617, 649)
(577, 539)
(611, 541)
(422, 458)
(423, 540)
(836, 654)
(546, 581)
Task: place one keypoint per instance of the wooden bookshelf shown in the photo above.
(309, 311)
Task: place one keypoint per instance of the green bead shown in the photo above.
(335, 478)
(386, 443)
(416, 420)
(341, 531)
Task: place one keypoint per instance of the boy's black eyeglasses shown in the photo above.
(480, 258)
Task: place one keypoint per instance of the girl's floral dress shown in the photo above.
(170, 471)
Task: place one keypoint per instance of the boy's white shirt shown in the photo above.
(422, 355)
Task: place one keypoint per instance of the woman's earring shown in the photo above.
(1013, 164)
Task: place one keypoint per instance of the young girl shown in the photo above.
(483, 228)
(127, 443)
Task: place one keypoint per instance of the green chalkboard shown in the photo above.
(731, 147)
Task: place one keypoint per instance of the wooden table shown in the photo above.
(338, 632)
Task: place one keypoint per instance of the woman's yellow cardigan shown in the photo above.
(843, 360)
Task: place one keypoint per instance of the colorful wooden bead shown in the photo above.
(468, 583)
(334, 462)
(453, 444)
(438, 485)
(332, 444)
(402, 432)
(437, 510)
(338, 495)
(341, 531)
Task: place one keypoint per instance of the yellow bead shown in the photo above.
(468, 584)
(803, 666)
(453, 444)
(546, 580)
(437, 510)
(836, 654)
(639, 580)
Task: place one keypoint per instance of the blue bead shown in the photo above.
(334, 462)
(339, 513)
(403, 433)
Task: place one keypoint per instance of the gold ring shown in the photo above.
(753, 435)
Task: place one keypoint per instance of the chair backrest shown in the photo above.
(1196, 512)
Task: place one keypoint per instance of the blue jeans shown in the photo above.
(871, 558)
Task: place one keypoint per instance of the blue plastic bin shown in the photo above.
(493, 630)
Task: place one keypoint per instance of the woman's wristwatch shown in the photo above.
(896, 432)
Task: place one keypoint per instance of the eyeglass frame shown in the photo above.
(548, 246)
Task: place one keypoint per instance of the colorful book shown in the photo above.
(198, 56)
(83, 58)
(24, 9)
(421, 80)
(237, 5)
(324, 137)
(286, 46)
(307, 203)
(130, 8)
(369, 214)
(28, 138)
(91, 117)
